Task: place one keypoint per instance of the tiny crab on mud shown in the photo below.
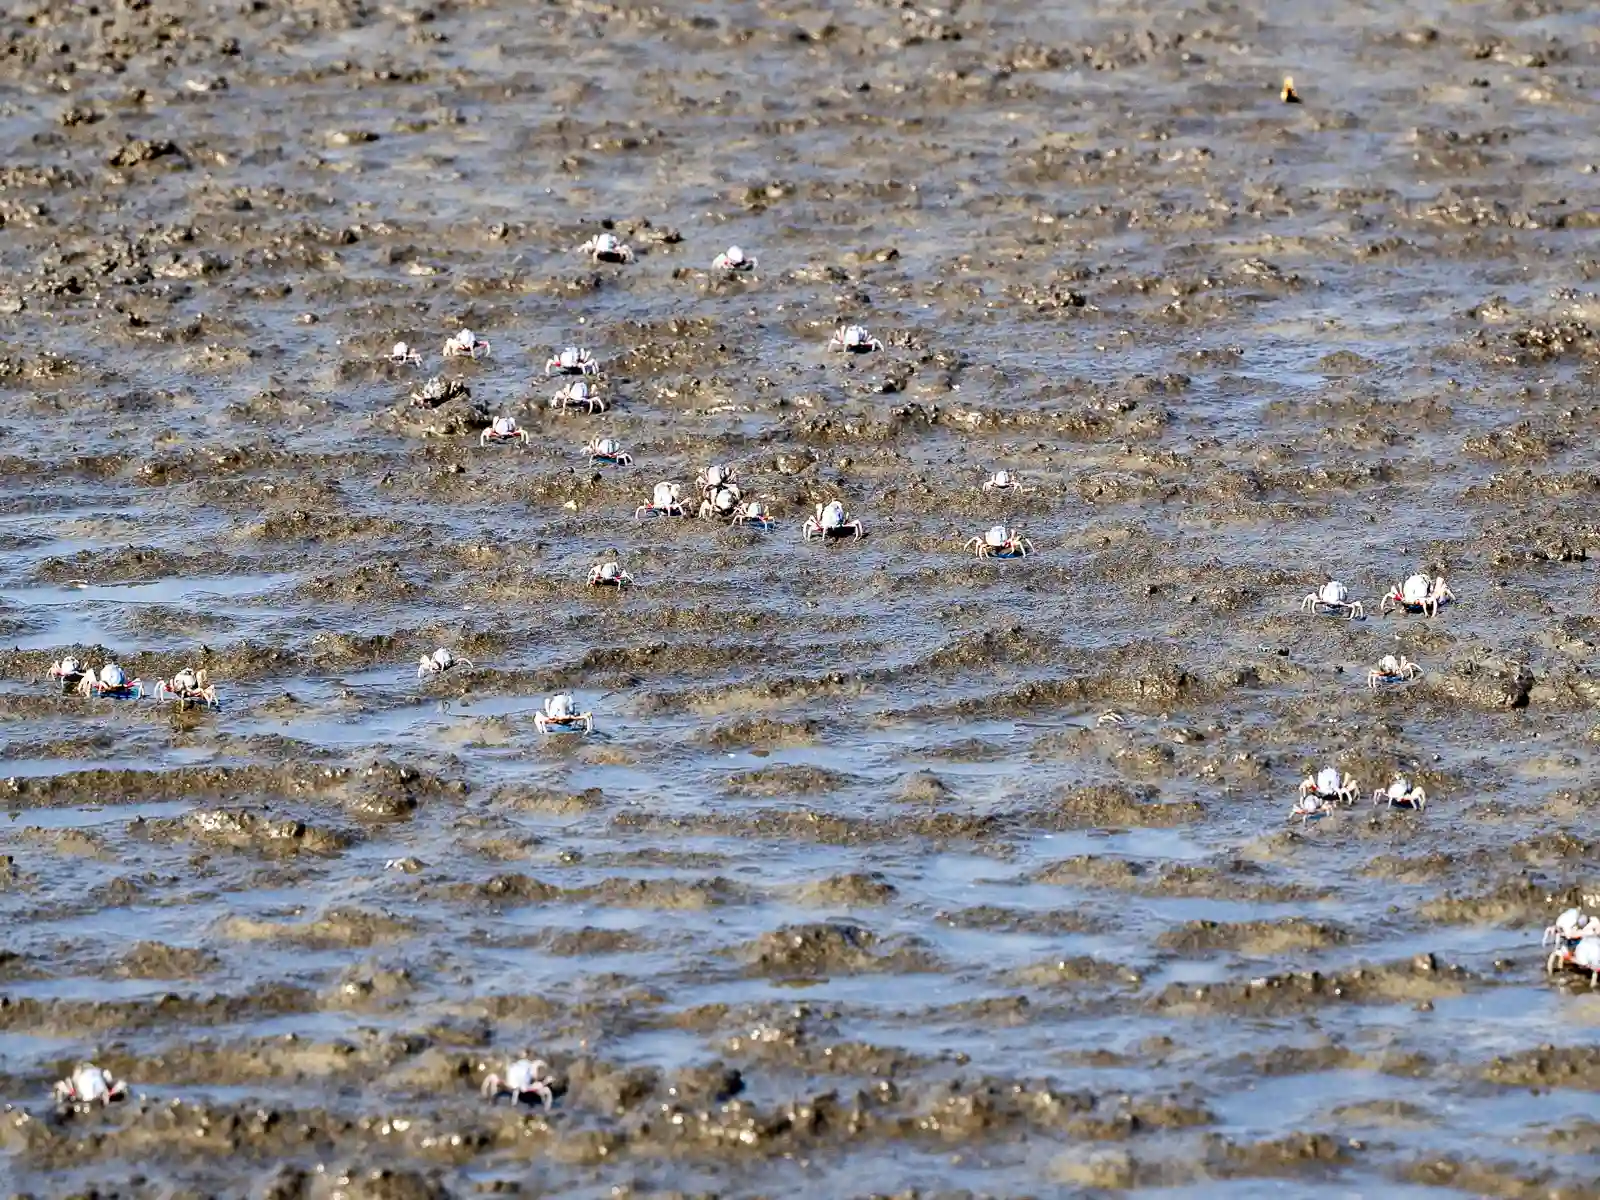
(89, 1083)
(733, 260)
(577, 395)
(1392, 670)
(1333, 599)
(188, 687)
(853, 339)
(1000, 542)
(1577, 946)
(67, 672)
(1569, 927)
(1424, 594)
(112, 683)
(503, 430)
(609, 574)
(1002, 481)
(572, 360)
(403, 354)
(753, 512)
(666, 501)
(720, 504)
(440, 661)
(465, 344)
(832, 521)
(1323, 792)
(608, 451)
(1400, 794)
(560, 715)
(608, 248)
(525, 1081)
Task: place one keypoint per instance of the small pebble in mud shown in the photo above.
(1288, 95)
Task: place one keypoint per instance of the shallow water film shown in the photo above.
(889, 868)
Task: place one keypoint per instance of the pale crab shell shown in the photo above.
(996, 536)
(724, 499)
(716, 476)
(504, 426)
(1001, 479)
(524, 1073)
(111, 675)
(832, 515)
(666, 495)
(856, 335)
(558, 707)
(69, 666)
(186, 680)
(570, 357)
(1327, 781)
(609, 570)
(1416, 589)
(401, 350)
(755, 510)
(442, 659)
(1587, 953)
(1569, 923)
(1333, 592)
(90, 1083)
(606, 446)
(1389, 665)
(576, 391)
(1399, 786)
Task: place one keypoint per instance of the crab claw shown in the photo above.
(491, 1085)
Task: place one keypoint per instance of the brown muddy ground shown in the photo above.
(849, 894)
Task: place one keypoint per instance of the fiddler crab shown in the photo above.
(112, 683)
(524, 1081)
(572, 360)
(465, 344)
(1322, 792)
(1400, 794)
(1002, 481)
(1333, 598)
(721, 503)
(437, 663)
(733, 260)
(832, 521)
(608, 248)
(666, 501)
(609, 574)
(503, 430)
(607, 450)
(1577, 942)
(1424, 594)
(403, 354)
(577, 395)
(67, 672)
(1392, 670)
(188, 687)
(753, 512)
(1000, 542)
(853, 339)
(89, 1083)
(560, 715)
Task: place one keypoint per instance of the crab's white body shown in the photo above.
(1568, 927)
(561, 713)
(1333, 598)
(665, 501)
(853, 339)
(502, 430)
(1400, 794)
(88, 1084)
(67, 672)
(609, 574)
(1392, 669)
(831, 521)
(403, 354)
(733, 260)
(1577, 945)
(111, 681)
(1323, 792)
(720, 503)
(189, 686)
(714, 477)
(1001, 481)
(571, 360)
(466, 344)
(1419, 593)
(1000, 542)
(440, 661)
(753, 512)
(607, 247)
(607, 450)
(524, 1081)
(577, 395)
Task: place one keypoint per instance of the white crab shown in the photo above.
(560, 713)
(832, 521)
(577, 395)
(465, 344)
(1400, 794)
(1392, 670)
(721, 503)
(1000, 542)
(1002, 481)
(187, 687)
(854, 339)
(753, 512)
(1330, 787)
(609, 574)
(89, 1083)
(67, 672)
(1577, 946)
(403, 354)
(112, 681)
(1569, 927)
(440, 661)
(666, 501)
(572, 360)
(714, 477)
(525, 1080)
(733, 260)
(1334, 599)
(503, 430)
(607, 247)
(607, 450)
(1419, 593)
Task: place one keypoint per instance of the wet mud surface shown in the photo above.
(851, 892)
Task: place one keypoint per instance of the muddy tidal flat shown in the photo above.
(856, 889)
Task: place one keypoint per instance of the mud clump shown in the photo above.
(154, 960)
(242, 829)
